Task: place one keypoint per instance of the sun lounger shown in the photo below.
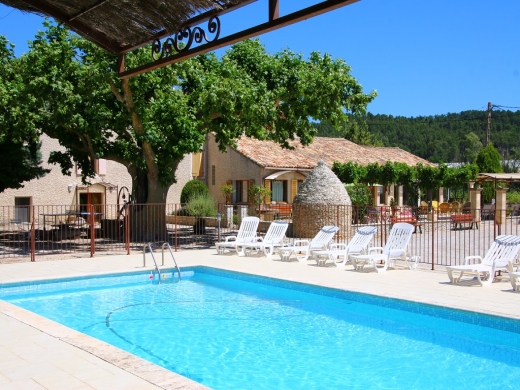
(357, 245)
(246, 235)
(301, 249)
(273, 239)
(503, 250)
(380, 258)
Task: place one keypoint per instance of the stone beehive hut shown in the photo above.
(321, 200)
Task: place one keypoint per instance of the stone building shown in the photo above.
(56, 189)
(316, 204)
(282, 171)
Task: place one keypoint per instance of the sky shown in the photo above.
(422, 57)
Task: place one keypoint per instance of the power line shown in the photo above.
(3, 17)
(502, 107)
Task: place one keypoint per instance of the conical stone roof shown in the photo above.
(322, 186)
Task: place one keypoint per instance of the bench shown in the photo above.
(463, 219)
(283, 211)
(412, 220)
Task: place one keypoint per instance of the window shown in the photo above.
(241, 187)
(213, 175)
(22, 209)
(100, 167)
(279, 191)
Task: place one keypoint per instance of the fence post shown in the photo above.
(176, 232)
(383, 228)
(92, 231)
(33, 238)
(338, 224)
(127, 228)
(433, 241)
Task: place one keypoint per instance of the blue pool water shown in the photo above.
(233, 331)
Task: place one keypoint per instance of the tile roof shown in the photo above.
(270, 154)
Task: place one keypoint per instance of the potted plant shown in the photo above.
(227, 190)
(201, 206)
(258, 194)
(394, 206)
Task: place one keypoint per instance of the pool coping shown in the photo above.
(150, 372)
(282, 271)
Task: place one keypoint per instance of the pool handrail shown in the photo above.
(153, 258)
(173, 257)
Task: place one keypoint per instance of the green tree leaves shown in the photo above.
(425, 177)
(19, 144)
(150, 122)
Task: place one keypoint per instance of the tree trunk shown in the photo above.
(148, 213)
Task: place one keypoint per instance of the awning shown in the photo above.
(498, 177)
(109, 186)
(275, 175)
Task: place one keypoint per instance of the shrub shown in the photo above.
(513, 196)
(192, 188)
(361, 198)
(201, 206)
(359, 194)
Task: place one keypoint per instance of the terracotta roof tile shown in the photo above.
(270, 154)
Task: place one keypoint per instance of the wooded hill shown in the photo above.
(439, 138)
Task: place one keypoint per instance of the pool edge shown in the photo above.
(132, 364)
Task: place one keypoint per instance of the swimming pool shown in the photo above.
(229, 331)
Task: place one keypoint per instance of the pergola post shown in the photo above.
(501, 206)
(474, 197)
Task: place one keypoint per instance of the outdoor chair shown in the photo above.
(444, 208)
(273, 239)
(357, 245)
(503, 250)
(380, 258)
(246, 235)
(454, 207)
(488, 212)
(302, 249)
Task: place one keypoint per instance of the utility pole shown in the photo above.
(488, 131)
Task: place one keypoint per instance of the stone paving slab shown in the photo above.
(37, 353)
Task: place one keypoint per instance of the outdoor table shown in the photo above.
(83, 214)
(55, 216)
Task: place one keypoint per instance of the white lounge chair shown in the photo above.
(356, 246)
(380, 258)
(246, 235)
(273, 239)
(514, 275)
(302, 249)
(503, 250)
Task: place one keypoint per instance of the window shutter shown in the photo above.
(250, 184)
(267, 185)
(294, 189)
(102, 167)
(197, 164)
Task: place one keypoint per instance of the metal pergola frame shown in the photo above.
(83, 17)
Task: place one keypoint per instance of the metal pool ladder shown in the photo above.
(149, 246)
(173, 257)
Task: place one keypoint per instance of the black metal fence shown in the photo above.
(441, 238)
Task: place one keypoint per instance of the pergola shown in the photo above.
(498, 177)
(187, 27)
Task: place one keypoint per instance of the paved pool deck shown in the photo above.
(37, 353)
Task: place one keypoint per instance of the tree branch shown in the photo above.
(115, 91)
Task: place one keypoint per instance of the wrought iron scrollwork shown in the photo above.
(183, 39)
